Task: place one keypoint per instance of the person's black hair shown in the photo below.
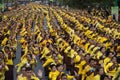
(47, 44)
(105, 76)
(117, 41)
(91, 59)
(87, 54)
(28, 68)
(58, 65)
(108, 52)
(63, 75)
(114, 57)
(52, 65)
(7, 35)
(23, 67)
(102, 77)
(81, 50)
(30, 55)
(6, 47)
(1, 51)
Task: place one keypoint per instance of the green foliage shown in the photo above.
(78, 3)
(0, 1)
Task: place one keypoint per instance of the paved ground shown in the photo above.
(18, 56)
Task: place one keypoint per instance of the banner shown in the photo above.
(51, 0)
(115, 12)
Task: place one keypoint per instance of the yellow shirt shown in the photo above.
(20, 77)
(45, 42)
(39, 37)
(82, 63)
(60, 58)
(84, 73)
(103, 39)
(22, 40)
(113, 72)
(25, 61)
(90, 49)
(2, 72)
(67, 49)
(71, 53)
(86, 47)
(44, 52)
(97, 77)
(76, 39)
(99, 54)
(88, 32)
(8, 32)
(77, 58)
(80, 43)
(106, 61)
(4, 41)
(9, 62)
(53, 75)
(48, 61)
(69, 77)
(94, 49)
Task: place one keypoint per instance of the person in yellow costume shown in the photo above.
(100, 72)
(39, 37)
(60, 57)
(29, 74)
(93, 50)
(23, 32)
(9, 55)
(103, 39)
(107, 60)
(76, 39)
(4, 42)
(67, 49)
(47, 40)
(49, 60)
(63, 77)
(60, 68)
(78, 59)
(86, 47)
(61, 44)
(56, 60)
(23, 73)
(90, 49)
(100, 54)
(82, 65)
(81, 43)
(108, 44)
(89, 70)
(53, 73)
(36, 29)
(71, 53)
(112, 68)
(35, 50)
(44, 52)
(118, 51)
(3, 69)
(88, 32)
(27, 60)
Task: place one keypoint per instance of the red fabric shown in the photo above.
(119, 16)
